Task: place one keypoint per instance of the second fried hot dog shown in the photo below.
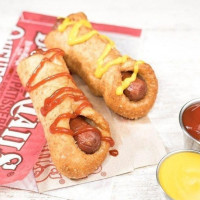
(96, 60)
(136, 90)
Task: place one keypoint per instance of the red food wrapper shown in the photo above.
(21, 135)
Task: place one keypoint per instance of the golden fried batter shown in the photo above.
(65, 153)
(82, 59)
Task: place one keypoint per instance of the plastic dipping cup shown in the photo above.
(178, 174)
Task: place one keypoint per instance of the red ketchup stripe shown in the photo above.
(117, 29)
(59, 96)
(50, 20)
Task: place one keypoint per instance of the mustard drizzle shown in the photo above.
(126, 82)
(74, 39)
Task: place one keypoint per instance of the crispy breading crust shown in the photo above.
(66, 155)
(82, 60)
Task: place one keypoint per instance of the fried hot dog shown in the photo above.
(77, 148)
(96, 60)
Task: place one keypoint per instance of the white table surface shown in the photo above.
(171, 44)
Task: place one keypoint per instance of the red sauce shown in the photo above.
(109, 140)
(85, 129)
(50, 78)
(191, 120)
(41, 65)
(114, 152)
(59, 96)
(55, 129)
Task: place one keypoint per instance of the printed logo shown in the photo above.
(9, 160)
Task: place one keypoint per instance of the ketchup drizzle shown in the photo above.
(59, 96)
(55, 129)
(85, 129)
(109, 140)
(41, 65)
(114, 152)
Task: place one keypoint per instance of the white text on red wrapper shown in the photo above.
(15, 134)
(7, 50)
(39, 41)
(11, 137)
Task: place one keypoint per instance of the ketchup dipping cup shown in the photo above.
(178, 175)
(189, 119)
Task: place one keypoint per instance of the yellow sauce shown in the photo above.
(99, 70)
(126, 82)
(179, 176)
(73, 36)
(65, 24)
(102, 68)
